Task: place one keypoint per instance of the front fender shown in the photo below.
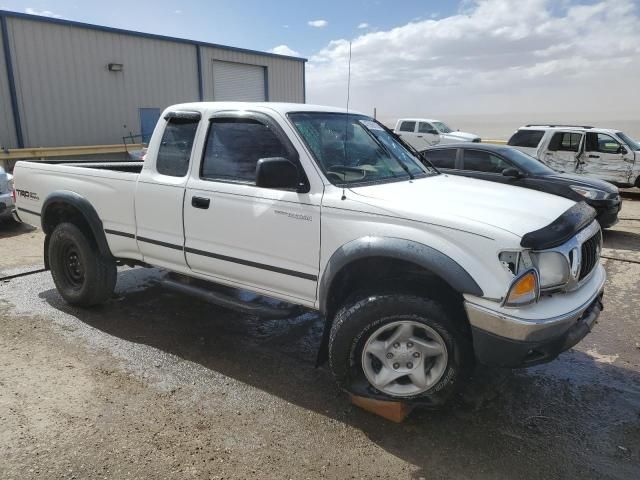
(427, 257)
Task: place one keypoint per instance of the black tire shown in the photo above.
(358, 320)
(82, 275)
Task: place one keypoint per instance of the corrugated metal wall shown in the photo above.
(285, 77)
(67, 95)
(7, 130)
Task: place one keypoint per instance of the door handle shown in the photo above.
(200, 202)
(594, 156)
(419, 136)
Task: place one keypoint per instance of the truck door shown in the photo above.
(263, 239)
(563, 151)
(160, 191)
(428, 135)
(606, 158)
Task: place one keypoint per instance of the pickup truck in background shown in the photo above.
(422, 133)
(417, 274)
(601, 153)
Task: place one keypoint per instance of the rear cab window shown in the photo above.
(526, 138)
(175, 148)
(407, 126)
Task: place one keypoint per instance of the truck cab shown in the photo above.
(422, 133)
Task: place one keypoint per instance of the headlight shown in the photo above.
(590, 193)
(553, 269)
(524, 289)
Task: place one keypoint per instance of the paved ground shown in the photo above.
(158, 385)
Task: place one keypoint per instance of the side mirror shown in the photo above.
(622, 150)
(280, 173)
(433, 132)
(512, 172)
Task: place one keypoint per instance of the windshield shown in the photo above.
(442, 127)
(527, 163)
(633, 144)
(355, 149)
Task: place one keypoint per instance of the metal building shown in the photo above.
(68, 83)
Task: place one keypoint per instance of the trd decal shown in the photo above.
(27, 194)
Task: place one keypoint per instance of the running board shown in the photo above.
(255, 309)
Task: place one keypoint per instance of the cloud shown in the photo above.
(42, 13)
(542, 56)
(363, 25)
(317, 23)
(284, 50)
(178, 12)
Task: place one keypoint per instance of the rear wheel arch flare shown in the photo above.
(67, 206)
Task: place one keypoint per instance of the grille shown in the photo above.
(590, 255)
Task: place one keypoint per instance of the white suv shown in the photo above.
(603, 153)
(423, 133)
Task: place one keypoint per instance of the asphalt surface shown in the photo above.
(158, 385)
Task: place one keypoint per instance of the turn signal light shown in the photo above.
(524, 289)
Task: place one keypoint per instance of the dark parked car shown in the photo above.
(502, 164)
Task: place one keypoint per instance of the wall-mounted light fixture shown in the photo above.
(115, 67)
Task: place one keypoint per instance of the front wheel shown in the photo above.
(82, 275)
(399, 347)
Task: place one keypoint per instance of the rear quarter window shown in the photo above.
(526, 138)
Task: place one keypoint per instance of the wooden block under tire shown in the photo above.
(393, 411)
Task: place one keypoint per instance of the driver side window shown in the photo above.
(234, 146)
(479, 161)
(425, 127)
(602, 143)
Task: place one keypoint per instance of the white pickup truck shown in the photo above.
(422, 133)
(417, 273)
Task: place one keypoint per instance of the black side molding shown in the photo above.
(561, 229)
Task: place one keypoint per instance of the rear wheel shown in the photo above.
(81, 274)
(398, 347)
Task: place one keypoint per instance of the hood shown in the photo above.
(464, 136)
(462, 202)
(584, 181)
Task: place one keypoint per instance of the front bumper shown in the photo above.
(6, 205)
(508, 341)
(607, 211)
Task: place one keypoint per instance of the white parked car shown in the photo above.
(422, 133)
(416, 273)
(602, 153)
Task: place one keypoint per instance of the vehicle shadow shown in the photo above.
(621, 240)
(562, 420)
(9, 228)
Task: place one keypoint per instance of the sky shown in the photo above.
(481, 59)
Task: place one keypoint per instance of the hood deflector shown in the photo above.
(561, 229)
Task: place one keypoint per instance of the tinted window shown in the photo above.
(526, 138)
(601, 142)
(407, 126)
(175, 148)
(442, 158)
(234, 146)
(425, 128)
(526, 163)
(565, 141)
(480, 161)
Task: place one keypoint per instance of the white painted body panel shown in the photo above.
(468, 220)
(618, 168)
